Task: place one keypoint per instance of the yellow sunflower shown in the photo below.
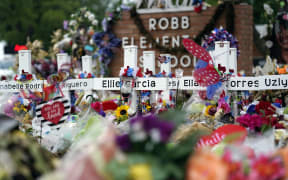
(122, 112)
(210, 111)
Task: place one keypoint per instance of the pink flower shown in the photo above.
(251, 121)
(222, 104)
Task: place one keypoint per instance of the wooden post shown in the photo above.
(25, 61)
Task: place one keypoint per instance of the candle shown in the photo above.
(25, 61)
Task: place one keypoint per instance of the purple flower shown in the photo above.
(151, 123)
(65, 24)
(105, 25)
(123, 142)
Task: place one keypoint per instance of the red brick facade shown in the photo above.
(243, 32)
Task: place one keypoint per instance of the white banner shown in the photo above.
(14, 86)
(106, 83)
(77, 84)
(140, 84)
(272, 82)
(152, 84)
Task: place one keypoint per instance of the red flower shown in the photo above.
(139, 73)
(96, 106)
(89, 75)
(15, 78)
(29, 76)
(278, 101)
(109, 105)
(265, 108)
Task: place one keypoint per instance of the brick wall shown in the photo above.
(243, 32)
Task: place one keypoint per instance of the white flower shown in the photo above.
(91, 41)
(95, 22)
(136, 127)
(74, 46)
(72, 23)
(155, 135)
(87, 14)
(268, 44)
(109, 18)
(139, 136)
(268, 9)
(91, 17)
(82, 31)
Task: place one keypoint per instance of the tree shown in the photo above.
(37, 19)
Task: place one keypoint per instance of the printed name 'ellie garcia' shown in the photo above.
(116, 83)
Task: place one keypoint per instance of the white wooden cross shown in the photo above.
(87, 68)
(130, 56)
(233, 60)
(167, 68)
(149, 63)
(25, 61)
(130, 59)
(62, 59)
(221, 54)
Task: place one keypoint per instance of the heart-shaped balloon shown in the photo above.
(53, 112)
(196, 50)
(206, 76)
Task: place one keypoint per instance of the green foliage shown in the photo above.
(260, 17)
(37, 19)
